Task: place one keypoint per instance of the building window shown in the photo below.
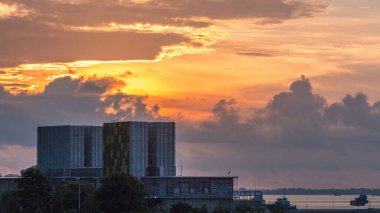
(192, 190)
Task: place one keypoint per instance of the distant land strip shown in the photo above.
(303, 191)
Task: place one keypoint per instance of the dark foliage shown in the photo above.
(202, 209)
(250, 209)
(9, 202)
(120, 193)
(221, 209)
(275, 208)
(181, 207)
(66, 197)
(34, 191)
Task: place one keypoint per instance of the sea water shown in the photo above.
(325, 201)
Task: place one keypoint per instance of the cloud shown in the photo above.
(225, 112)
(66, 31)
(176, 12)
(67, 101)
(355, 111)
(300, 102)
(27, 41)
(255, 54)
(18, 85)
(11, 9)
(296, 134)
(126, 107)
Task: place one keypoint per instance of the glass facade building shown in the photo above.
(161, 137)
(125, 148)
(139, 148)
(60, 148)
(211, 192)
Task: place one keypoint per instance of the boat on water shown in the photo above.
(362, 200)
(283, 201)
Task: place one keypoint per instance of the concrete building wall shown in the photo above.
(162, 148)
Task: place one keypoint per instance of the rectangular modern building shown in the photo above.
(61, 148)
(161, 138)
(93, 143)
(125, 148)
(211, 192)
(139, 148)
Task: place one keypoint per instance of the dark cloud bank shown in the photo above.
(297, 140)
(67, 101)
(291, 141)
(45, 33)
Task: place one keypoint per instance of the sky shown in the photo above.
(281, 93)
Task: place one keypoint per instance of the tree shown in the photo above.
(34, 191)
(181, 207)
(120, 192)
(9, 201)
(66, 196)
(158, 209)
(154, 205)
(275, 208)
(250, 209)
(221, 209)
(89, 205)
(202, 209)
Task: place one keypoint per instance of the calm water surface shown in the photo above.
(325, 201)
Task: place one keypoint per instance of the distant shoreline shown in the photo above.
(302, 191)
(335, 210)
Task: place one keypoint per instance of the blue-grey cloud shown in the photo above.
(67, 101)
(297, 131)
(298, 134)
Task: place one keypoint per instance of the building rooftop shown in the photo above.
(68, 125)
(155, 177)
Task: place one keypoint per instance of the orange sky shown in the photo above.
(186, 57)
(239, 58)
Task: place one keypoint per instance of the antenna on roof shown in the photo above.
(180, 163)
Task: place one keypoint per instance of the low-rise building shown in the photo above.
(211, 192)
(7, 183)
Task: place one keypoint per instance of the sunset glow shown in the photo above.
(178, 59)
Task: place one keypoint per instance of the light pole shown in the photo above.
(78, 194)
(334, 204)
